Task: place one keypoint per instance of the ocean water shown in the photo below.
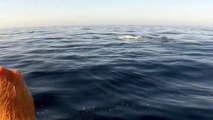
(114, 72)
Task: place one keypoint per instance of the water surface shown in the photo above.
(114, 72)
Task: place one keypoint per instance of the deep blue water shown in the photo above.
(114, 72)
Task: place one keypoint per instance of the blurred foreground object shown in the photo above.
(16, 102)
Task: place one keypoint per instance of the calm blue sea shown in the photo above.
(114, 72)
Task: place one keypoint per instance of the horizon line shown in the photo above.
(71, 25)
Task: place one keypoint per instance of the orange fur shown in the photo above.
(16, 102)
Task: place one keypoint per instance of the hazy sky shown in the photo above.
(19, 13)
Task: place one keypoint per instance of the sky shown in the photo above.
(24, 13)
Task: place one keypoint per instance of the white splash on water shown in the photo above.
(129, 37)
